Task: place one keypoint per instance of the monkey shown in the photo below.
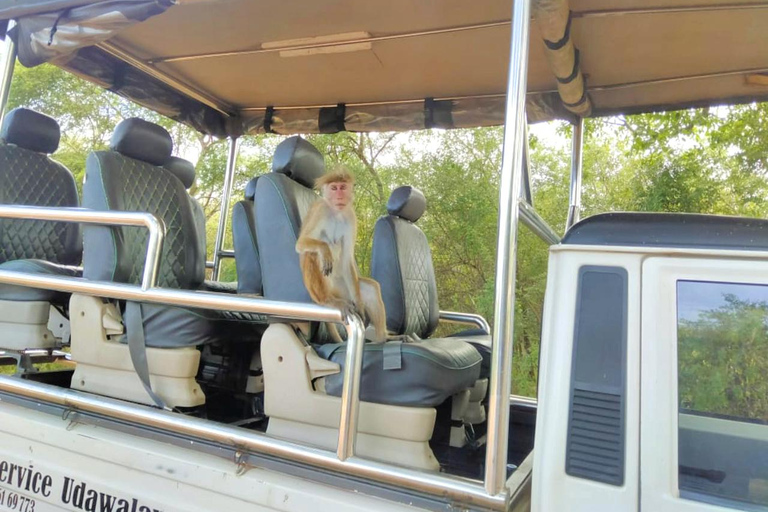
(326, 247)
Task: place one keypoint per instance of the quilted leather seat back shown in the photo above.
(29, 177)
(130, 178)
(402, 264)
(185, 171)
(282, 200)
(246, 244)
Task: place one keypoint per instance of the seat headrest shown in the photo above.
(299, 160)
(142, 140)
(407, 202)
(31, 130)
(250, 189)
(182, 169)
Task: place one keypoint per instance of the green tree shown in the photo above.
(722, 357)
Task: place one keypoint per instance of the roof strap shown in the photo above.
(55, 27)
(581, 101)
(575, 73)
(268, 115)
(437, 114)
(331, 119)
(556, 45)
(118, 80)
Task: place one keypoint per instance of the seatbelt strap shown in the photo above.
(138, 349)
(392, 355)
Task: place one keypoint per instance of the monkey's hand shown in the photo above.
(327, 260)
(348, 307)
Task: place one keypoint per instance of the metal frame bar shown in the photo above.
(377, 103)
(680, 78)
(435, 484)
(350, 391)
(222, 254)
(506, 256)
(174, 83)
(374, 39)
(601, 13)
(577, 146)
(526, 193)
(184, 298)
(229, 179)
(535, 223)
(155, 226)
(589, 88)
(9, 63)
(465, 318)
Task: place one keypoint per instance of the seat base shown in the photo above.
(298, 412)
(475, 412)
(413, 454)
(125, 384)
(24, 325)
(104, 367)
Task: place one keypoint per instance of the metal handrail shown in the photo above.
(535, 223)
(577, 147)
(465, 318)
(350, 391)
(350, 395)
(155, 226)
(229, 180)
(435, 484)
(506, 255)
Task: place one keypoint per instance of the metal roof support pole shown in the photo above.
(506, 253)
(525, 192)
(350, 390)
(574, 210)
(9, 62)
(229, 179)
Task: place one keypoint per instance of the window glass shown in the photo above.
(722, 335)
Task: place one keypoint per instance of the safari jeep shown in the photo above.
(189, 394)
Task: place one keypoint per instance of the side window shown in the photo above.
(722, 346)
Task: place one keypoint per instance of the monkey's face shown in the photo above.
(339, 194)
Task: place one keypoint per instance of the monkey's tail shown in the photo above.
(334, 331)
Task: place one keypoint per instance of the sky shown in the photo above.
(695, 297)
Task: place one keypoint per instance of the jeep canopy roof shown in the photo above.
(228, 67)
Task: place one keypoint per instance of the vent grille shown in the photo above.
(595, 441)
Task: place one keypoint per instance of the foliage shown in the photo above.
(722, 358)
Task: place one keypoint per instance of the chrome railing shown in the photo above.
(506, 252)
(577, 147)
(466, 318)
(535, 223)
(344, 460)
(435, 484)
(111, 218)
(229, 180)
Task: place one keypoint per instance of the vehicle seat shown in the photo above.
(131, 177)
(185, 171)
(401, 383)
(29, 177)
(245, 241)
(402, 264)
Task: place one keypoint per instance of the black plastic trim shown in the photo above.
(595, 448)
(670, 230)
